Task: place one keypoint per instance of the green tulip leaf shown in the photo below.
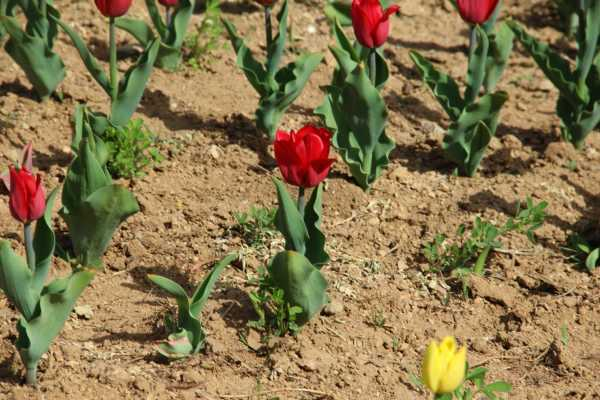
(315, 246)
(55, 306)
(468, 138)
(501, 45)
(577, 124)
(338, 12)
(357, 115)
(444, 88)
(93, 223)
(254, 71)
(32, 52)
(88, 59)
(277, 46)
(16, 281)
(303, 285)
(289, 221)
(156, 18)
(43, 244)
(136, 28)
(556, 68)
(291, 81)
(477, 65)
(588, 42)
(132, 86)
(201, 294)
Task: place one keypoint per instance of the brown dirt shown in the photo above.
(216, 166)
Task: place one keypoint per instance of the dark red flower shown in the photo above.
(113, 8)
(168, 3)
(27, 200)
(303, 156)
(371, 22)
(476, 11)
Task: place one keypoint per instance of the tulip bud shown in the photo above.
(113, 8)
(303, 157)
(27, 200)
(371, 22)
(476, 11)
(168, 3)
(443, 368)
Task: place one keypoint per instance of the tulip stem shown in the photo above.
(30, 252)
(31, 376)
(373, 66)
(169, 14)
(268, 27)
(112, 44)
(301, 201)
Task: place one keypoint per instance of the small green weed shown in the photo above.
(468, 253)
(131, 149)
(200, 44)
(256, 226)
(276, 317)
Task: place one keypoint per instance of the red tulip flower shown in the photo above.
(371, 22)
(168, 3)
(27, 200)
(266, 3)
(476, 11)
(303, 156)
(113, 8)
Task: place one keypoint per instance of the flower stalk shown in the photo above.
(112, 44)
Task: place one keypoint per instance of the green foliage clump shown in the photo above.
(468, 253)
(200, 44)
(131, 149)
(276, 317)
(256, 226)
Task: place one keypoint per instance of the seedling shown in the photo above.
(276, 317)
(186, 334)
(468, 253)
(199, 44)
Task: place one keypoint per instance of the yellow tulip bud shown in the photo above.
(443, 368)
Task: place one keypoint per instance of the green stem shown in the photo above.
(472, 92)
(169, 15)
(301, 201)
(480, 263)
(30, 252)
(268, 27)
(31, 375)
(114, 82)
(373, 66)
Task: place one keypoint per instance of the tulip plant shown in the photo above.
(93, 206)
(445, 372)
(353, 108)
(277, 87)
(44, 308)
(474, 118)
(187, 335)
(303, 159)
(32, 48)
(578, 105)
(125, 94)
(171, 30)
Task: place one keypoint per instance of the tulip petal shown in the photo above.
(455, 372)
(431, 369)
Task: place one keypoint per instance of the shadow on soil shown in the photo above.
(235, 129)
(17, 88)
(7, 371)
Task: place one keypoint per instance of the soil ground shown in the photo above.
(217, 165)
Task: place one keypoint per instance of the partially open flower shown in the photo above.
(444, 366)
(371, 22)
(27, 200)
